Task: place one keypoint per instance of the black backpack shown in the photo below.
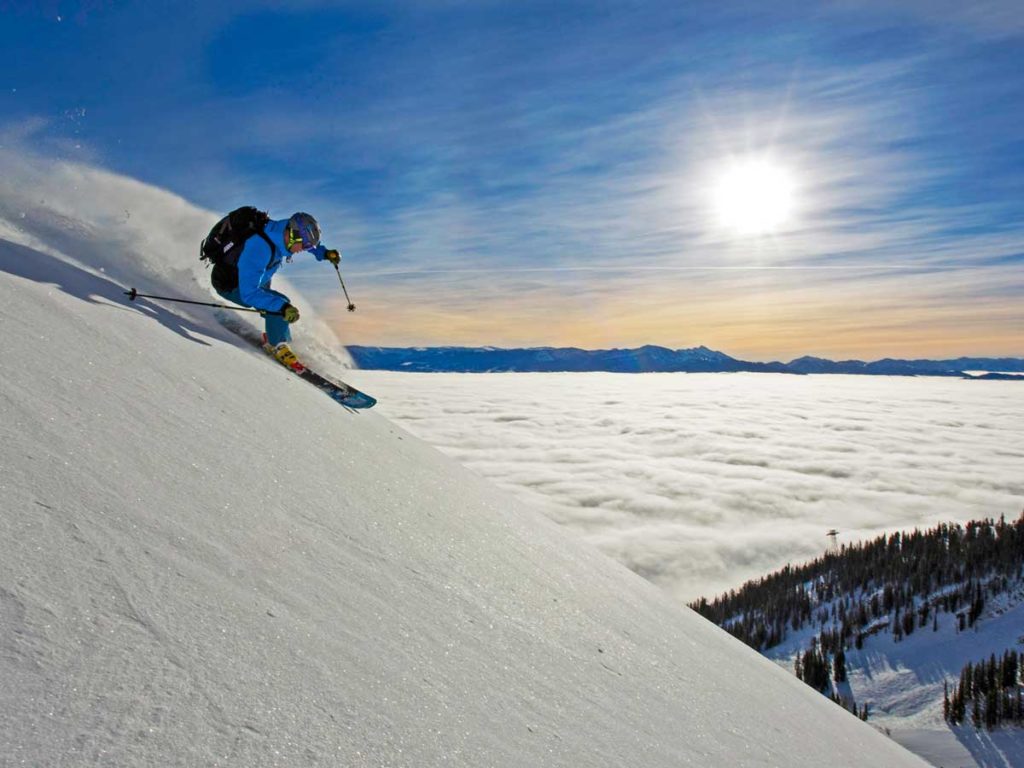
(226, 240)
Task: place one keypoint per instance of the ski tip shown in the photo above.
(357, 400)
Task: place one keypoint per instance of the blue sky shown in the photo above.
(542, 173)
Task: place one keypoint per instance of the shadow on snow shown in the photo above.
(30, 264)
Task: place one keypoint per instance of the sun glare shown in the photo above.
(754, 197)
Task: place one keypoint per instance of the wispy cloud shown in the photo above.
(869, 225)
(556, 161)
(985, 19)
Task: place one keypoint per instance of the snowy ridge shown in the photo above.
(203, 561)
(902, 681)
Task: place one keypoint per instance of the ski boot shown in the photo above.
(283, 354)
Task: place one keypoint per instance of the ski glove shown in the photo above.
(290, 313)
(332, 256)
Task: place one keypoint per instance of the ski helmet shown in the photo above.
(304, 227)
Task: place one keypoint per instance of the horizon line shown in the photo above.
(424, 347)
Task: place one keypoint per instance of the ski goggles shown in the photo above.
(293, 238)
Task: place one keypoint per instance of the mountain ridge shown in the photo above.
(651, 358)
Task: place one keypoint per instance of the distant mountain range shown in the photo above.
(652, 359)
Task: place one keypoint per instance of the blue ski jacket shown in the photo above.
(257, 265)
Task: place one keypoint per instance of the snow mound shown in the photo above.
(204, 561)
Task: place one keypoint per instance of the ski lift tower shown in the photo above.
(833, 544)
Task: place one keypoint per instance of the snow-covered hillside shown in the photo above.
(887, 628)
(902, 681)
(204, 561)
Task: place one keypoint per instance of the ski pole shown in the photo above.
(134, 294)
(351, 306)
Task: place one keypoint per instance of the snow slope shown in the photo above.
(204, 561)
(902, 682)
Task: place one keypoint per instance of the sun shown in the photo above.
(754, 196)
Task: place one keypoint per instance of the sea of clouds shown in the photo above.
(699, 482)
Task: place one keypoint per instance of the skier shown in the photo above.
(247, 281)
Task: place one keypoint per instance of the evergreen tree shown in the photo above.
(992, 687)
(839, 665)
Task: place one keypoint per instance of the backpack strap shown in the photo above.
(273, 248)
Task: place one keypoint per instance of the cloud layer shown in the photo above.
(699, 482)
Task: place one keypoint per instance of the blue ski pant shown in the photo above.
(277, 328)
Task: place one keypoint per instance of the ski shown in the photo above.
(340, 392)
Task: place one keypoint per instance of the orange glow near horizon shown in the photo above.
(743, 327)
